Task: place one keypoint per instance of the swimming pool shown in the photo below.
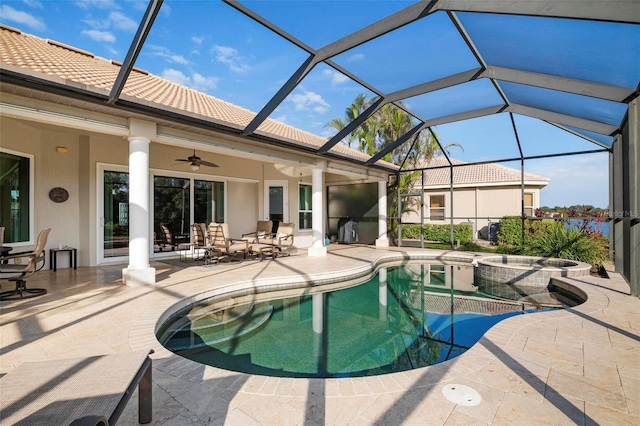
(406, 317)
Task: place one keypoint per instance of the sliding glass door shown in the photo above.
(115, 215)
(208, 203)
(176, 201)
(171, 212)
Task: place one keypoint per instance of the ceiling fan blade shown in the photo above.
(207, 163)
(181, 159)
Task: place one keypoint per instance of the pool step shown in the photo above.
(207, 332)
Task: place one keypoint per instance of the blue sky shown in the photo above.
(214, 48)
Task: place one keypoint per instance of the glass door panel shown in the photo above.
(116, 214)
(208, 203)
(276, 202)
(171, 210)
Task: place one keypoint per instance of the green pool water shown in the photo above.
(418, 316)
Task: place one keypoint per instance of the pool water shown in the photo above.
(413, 317)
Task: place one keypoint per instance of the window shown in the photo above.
(528, 204)
(436, 207)
(15, 197)
(305, 206)
(436, 275)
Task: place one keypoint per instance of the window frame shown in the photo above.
(32, 223)
(443, 208)
(300, 228)
(526, 207)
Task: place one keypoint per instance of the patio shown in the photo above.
(580, 365)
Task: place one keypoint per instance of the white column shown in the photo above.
(382, 240)
(139, 271)
(317, 247)
(317, 312)
(382, 294)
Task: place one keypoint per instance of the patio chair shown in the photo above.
(221, 241)
(202, 248)
(24, 264)
(167, 238)
(283, 238)
(262, 232)
(174, 243)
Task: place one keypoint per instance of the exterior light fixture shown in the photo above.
(194, 167)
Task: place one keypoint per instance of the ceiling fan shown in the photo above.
(196, 161)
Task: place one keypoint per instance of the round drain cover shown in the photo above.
(461, 395)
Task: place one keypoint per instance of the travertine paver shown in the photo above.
(578, 366)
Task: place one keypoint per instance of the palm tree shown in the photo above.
(380, 130)
(351, 112)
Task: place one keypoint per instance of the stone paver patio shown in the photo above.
(575, 366)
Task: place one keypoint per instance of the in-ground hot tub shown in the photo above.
(527, 270)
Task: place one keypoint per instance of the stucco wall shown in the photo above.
(51, 169)
(477, 205)
(75, 222)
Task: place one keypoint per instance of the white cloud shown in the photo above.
(356, 57)
(230, 57)
(307, 100)
(101, 36)
(176, 76)
(196, 81)
(33, 3)
(122, 22)
(99, 4)
(98, 24)
(166, 54)
(201, 82)
(336, 77)
(10, 14)
(197, 39)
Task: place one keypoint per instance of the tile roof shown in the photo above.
(476, 174)
(78, 66)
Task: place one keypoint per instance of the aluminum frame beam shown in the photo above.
(281, 95)
(562, 84)
(134, 49)
(353, 125)
(402, 139)
(465, 115)
(624, 11)
(568, 120)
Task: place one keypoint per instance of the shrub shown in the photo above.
(437, 232)
(557, 241)
(511, 230)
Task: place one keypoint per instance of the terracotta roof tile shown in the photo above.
(36, 54)
(474, 174)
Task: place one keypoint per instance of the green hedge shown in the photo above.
(431, 232)
(511, 230)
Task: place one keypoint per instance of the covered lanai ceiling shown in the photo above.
(572, 65)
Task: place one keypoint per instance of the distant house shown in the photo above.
(482, 193)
